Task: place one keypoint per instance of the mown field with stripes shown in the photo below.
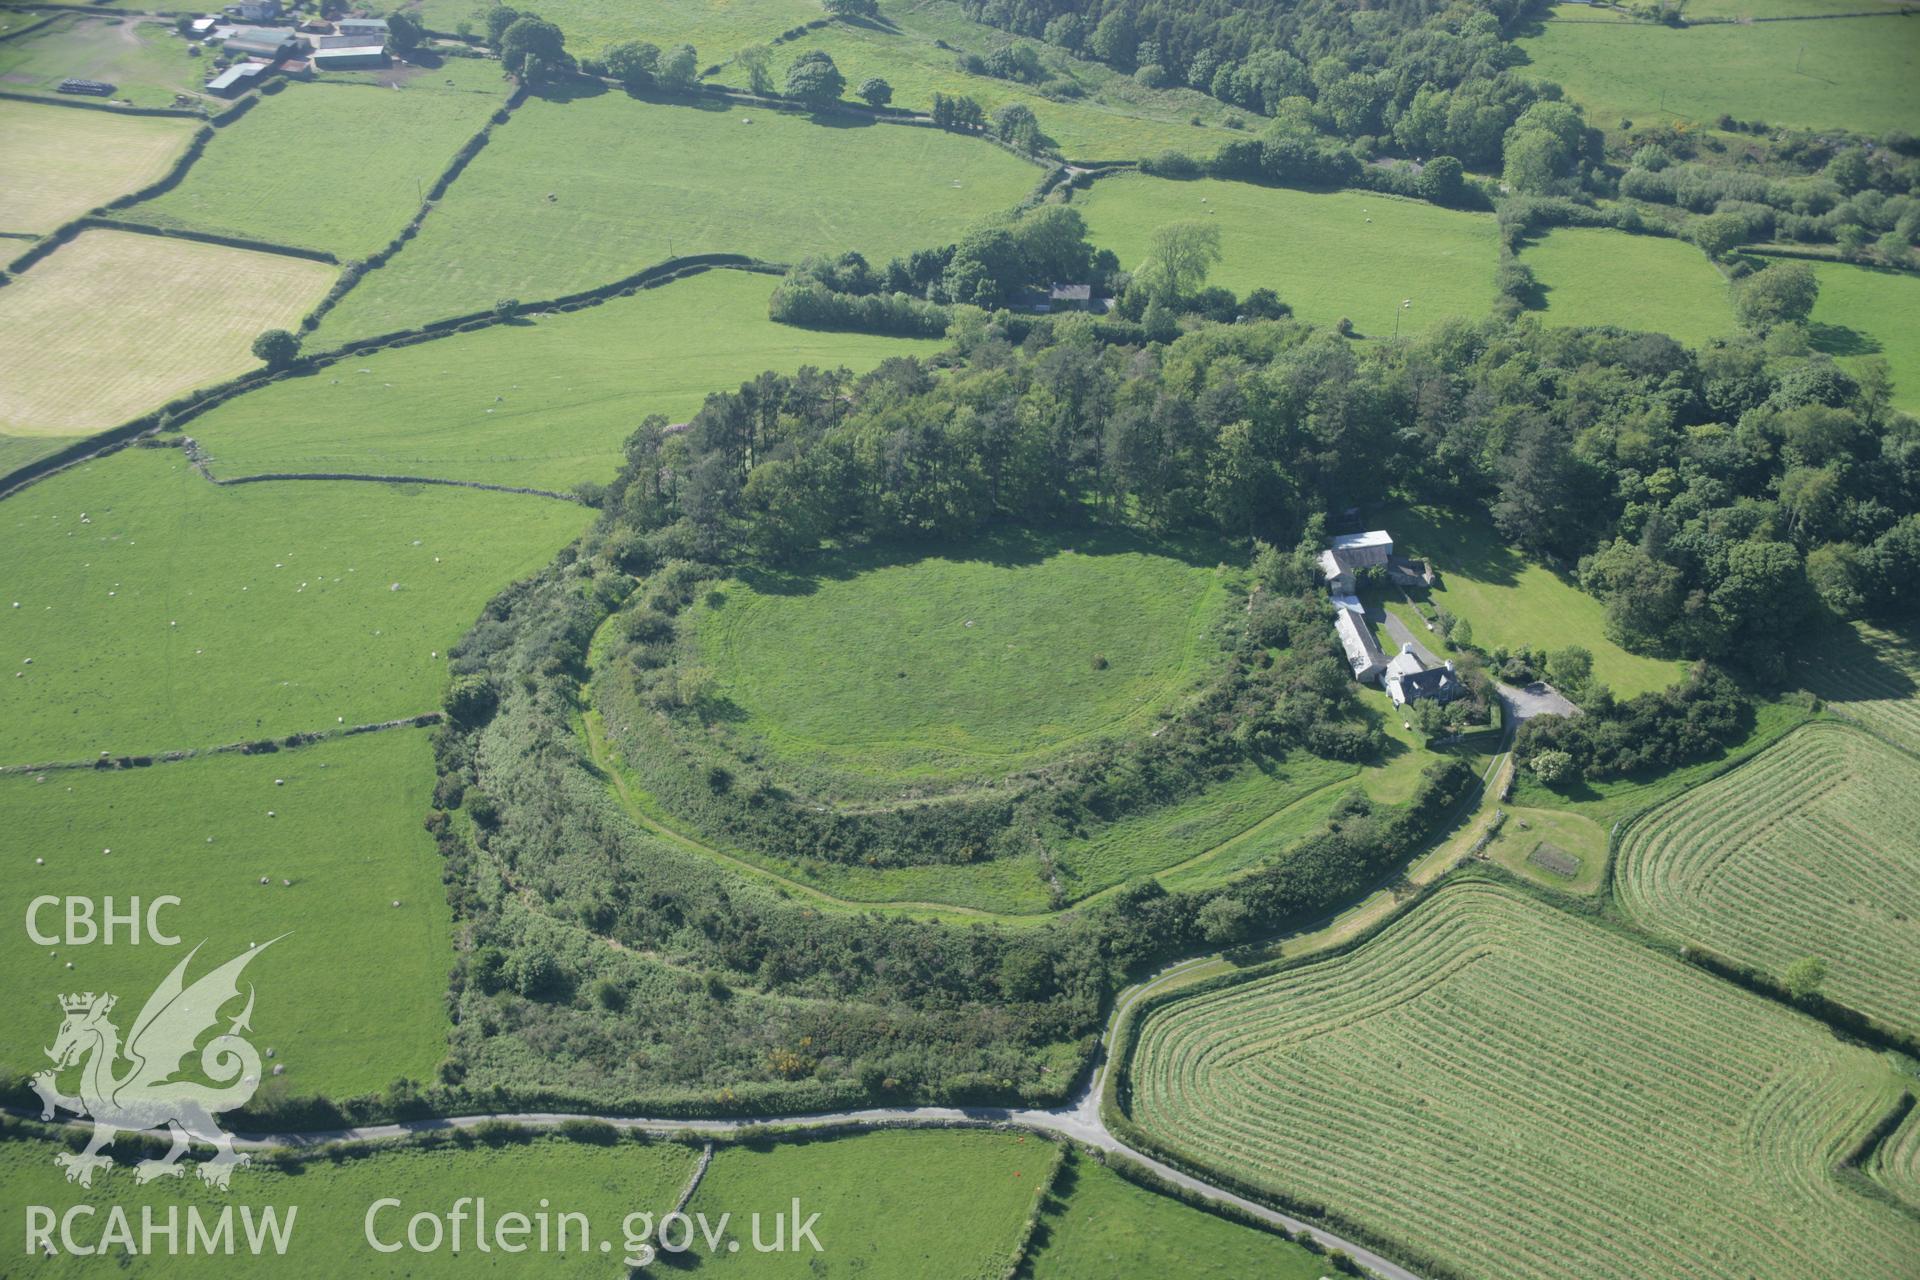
(1810, 849)
(1896, 1165)
(1525, 1095)
(1870, 675)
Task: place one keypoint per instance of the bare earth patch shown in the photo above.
(116, 323)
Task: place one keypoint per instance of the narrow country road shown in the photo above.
(1078, 1120)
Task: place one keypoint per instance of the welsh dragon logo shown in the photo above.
(147, 1093)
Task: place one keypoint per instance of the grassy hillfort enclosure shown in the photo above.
(345, 830)
(1436, 1081)
(59, 163)
(245, 613)
(1343, 254)
(113, 324)
(984, 662)
(342, 197)
(1059, 639)
(547, 208)
(545, 402)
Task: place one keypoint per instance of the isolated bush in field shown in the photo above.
(1804, 976)
(1552, 766)
(1783, 293)
(876, 92)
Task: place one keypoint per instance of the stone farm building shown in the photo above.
(1364, 657)
(344, 53)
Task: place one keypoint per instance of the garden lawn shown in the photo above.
(1595, 276)
(114, 324)
(1535, 845)
(145, 61)
(1099, 1225)
(574, 194)
(1512, 601)
(714, 27)
(1861, 74)
(1808, 850)
(1513, 1093)
(351, 999)
(1866, 313)
(367, 153)
(546, 401)
(333, 1196)
(60, 162)
(996, 656)
(1118, 118)
(1319, 251)
(944, 1205)
(162, 612)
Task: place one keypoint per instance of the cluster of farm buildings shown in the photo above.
(245, 35)
(1404, 676)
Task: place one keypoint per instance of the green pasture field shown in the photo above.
(1117, 118)
(634, 183)
(1530, 839)
(1512, 601)
(1870, 675)
(1695, 10)
(713, 27)
(1847, 73)
(546, 401)
(60, 162)
(366, 155)
(146, 62)
(1597, 276)
(288, 617)
(1318, 251)
(1866, 313)
(351, 999)
(1515, 1093)
(944, 1205)
(18, 451)
(1808, 850)
(1099, 1225)
(333, 1196)
(892, 667)
(113, 324)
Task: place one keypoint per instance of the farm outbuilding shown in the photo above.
(368, 29)
(349, 57)
(261, 42)
(1364, 656)
(237, 79)
(1351, 551)
(92, 88)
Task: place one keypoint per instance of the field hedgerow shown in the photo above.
(1807, 850)
(1514, 1093)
